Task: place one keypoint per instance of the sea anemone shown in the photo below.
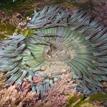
(60, 37)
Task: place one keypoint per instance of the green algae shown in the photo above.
(6, 30)
(82, 101)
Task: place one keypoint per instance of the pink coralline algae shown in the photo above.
(22, 96)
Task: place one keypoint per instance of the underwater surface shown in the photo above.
(53, 53)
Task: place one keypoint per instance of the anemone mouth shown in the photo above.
(57, 51)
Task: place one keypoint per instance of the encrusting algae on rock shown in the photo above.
(2, 81)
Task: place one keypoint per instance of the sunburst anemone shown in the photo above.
(58, 36)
